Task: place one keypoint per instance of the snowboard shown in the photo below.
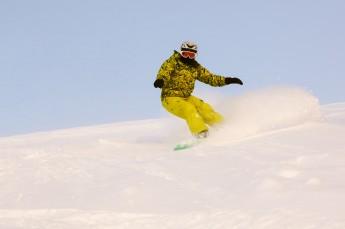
(186, 144)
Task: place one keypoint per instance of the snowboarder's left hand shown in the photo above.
(230, 80)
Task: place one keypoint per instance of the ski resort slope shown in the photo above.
(278, 162)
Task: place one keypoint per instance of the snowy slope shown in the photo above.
(278, 162)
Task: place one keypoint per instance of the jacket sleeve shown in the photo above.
(207, 77)
(166, 69)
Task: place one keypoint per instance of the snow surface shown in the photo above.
(277, 162)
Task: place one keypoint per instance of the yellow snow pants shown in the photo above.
(196, 112)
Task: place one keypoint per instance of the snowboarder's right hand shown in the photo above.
(158, 83)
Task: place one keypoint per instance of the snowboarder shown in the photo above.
(176, 77)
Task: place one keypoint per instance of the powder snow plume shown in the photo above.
(265, 110)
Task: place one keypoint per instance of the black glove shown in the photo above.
(158, 83)
(230, 80)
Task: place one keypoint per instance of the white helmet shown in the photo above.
(189, 46)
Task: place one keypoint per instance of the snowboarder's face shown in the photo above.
(188, 54)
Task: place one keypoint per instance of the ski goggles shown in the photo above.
(188, 54)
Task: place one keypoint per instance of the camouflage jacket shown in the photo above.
(179, 75)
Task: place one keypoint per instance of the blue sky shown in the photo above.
(72, 63)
